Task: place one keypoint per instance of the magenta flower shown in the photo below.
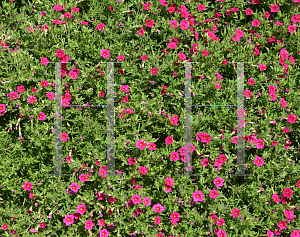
(259, 143)
(213, 193)
(64, 136)
(121, 57)
(169, 140)
(282, 225)
(174, 156)
(270, 233)
(83, 177)
(50, 95)
(154, 71)
(141, 31)
(69, 219)
(235, 213)
(221, 233)
(262, 67)
(13, 95)
(175, 216)
(205, 162)
(2, 108)
(20, 89)
(287, 192)
(255, 23)
(218, 182)
(31, 100)
(276, 198)
(157, 220)
(291, 118)
(259, 161)
(89, 224)
(102, 173)
(74, 9)
(100, 26)
(101, 222)
(295, 233)
(152, 146)
(249, 11)
(74, 187)
(136, 199)
(143, 170)
(27, 186)
(158, 208)
(184, 24)
(182, 56)
(31, 195)
(247, 93)
(45, 61)
(173, 24)
(42, 116)
(289, 214)
(141, 144)
(149, 23)
(105, 53)
(198, 196)
(60, 53)
(274, 8)
(169, 181)
(104, 233)
(81, 209)
(132, 161)
(147, 201)
(173, 121)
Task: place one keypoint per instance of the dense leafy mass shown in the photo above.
(150, 43)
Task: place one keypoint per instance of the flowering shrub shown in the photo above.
(150, 42)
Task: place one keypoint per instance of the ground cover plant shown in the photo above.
(152, 41)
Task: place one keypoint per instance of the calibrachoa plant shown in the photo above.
(150, 42)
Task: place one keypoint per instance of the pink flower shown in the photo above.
(44, 61)
(182, 56)
(101, 222)
(282, 225)
(5, 226)
(298, 184)
(141, 31)
(169, 181)
(154, 71)
(213, 193)
(31, 195)
(248, 11)
(295, 233)
(198, 196)
(31, 100)
(105, 53)
(220, 222)
(83, 177)
(205, 162)
(218, 182)
(175, 216)
(27, 186)
(255, 23)
(104, 233)
(270, 233)
(42, 116)
(169, 140)
(184, 24)
(147, 201)
(102, 173)
(100, 26)
(149, 23)
(205, 138)
(124, 88)
(267, 15)
(152, 146)
(276, 198)
(262, 67)
(158, 208)
(173, 24)
(132, 161)
(13, 95)
(235, 212)
(247, 93)
(50, 95)
(2, 108)
(44, 83)
(251, 82)
(258, 161)
(65, 103)
(287, 192)
(274, 8)
(68, 15)
(64, 136)
(145, 58)
(291, 118)
(221, 233)
(74, 187)
(143, 170)
(20, 89)
(241, 113)
(89, 224)
(81, 209)
(157, 220)
(205, 52)
(201, 7)
(60, 53)
(172, 45)
(259, 143)
(69, 219)
(141, 144)
(174, 156)
(173, 121)
(73, 75)
(136, 199)
(121, 57)
(289, 214)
